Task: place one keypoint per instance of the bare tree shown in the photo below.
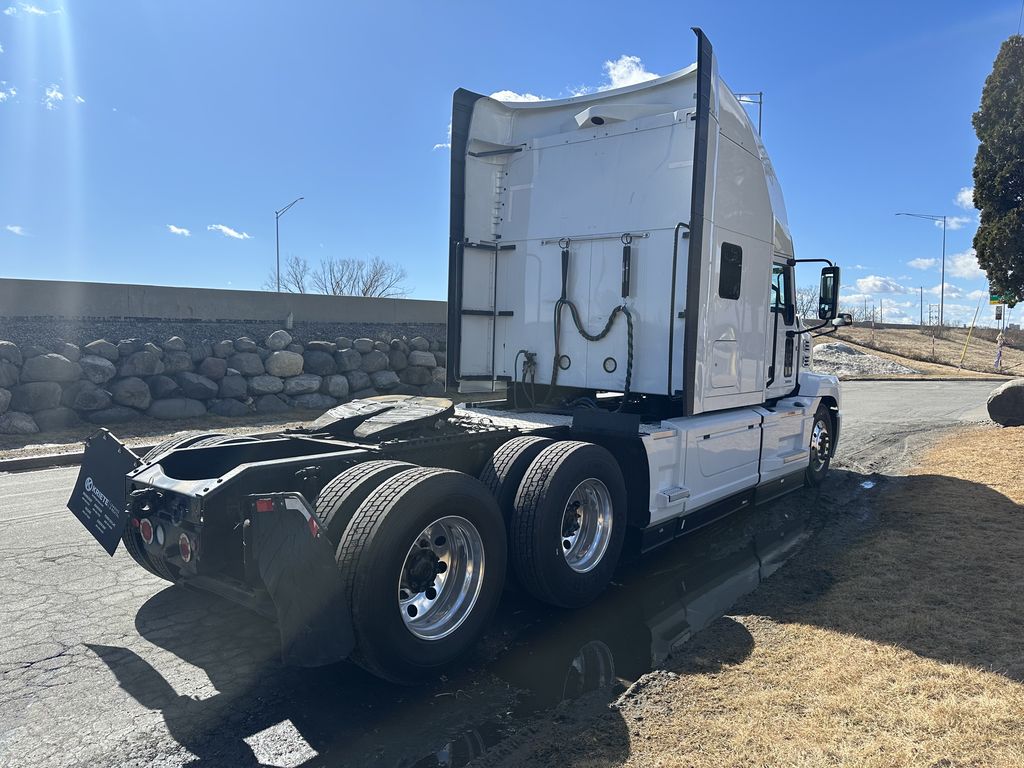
(807, 301)
(358, 277)
(294, 277)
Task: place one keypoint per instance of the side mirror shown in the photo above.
(828, 297)
(844, 319)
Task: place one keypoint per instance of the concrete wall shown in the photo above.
(66, 299)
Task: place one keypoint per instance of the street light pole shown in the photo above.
(277, 236)
(942, 273)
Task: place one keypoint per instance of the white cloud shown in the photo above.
(52, 96)
(955, 222)
(10, 10)
(878, 284)
(447, 143)
(79, 100)
(178, 230)
(1, 49)
(975, 295)
(35, 10)
(625, 70)
(16, 229)
(922, 263)
(7, 93)
(859, 266)
(964, 265)
(965, 198)
(229, 232)
(513, 96)
(952, 291)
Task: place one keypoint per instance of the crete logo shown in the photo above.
(89, 485)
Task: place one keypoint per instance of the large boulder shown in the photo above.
(343, 342)
(224, 348)
(102, 348)
(33, 350)
(385, 380)
(229, 407)
(322, 346)
(335, 386)
(278, 340)
(53, 419)
(433, 389)
(175, 344)
(127, 347)
(246, 363)
(318, 362)
(419, 344)
(234, 386)
(176, 408)
(441, 358)
(304, 384)
(176, 361)
(5, 398)
(283, 363)
(68, 350)
(439, 375)
(265, 385)
(149, 346)
(375, 360)
(417, 375)
(357, 380)
(195, 386)
(9, 351)
(215, 368)
(362, 346)
(296, 347)
(423, 359)
(8, 374)
(397, 360)
(163, 386)
(131, 391)
(1006, 404)
(245, 344)
(98, 370)
(15, 423)
(117, 414)
(199, 351)
(348, 360)
(85, 396)
(271, 404)
(50, 367)
(35, 396)
(145, 362)
(315, 401)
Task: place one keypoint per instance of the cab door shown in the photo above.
(783, 344)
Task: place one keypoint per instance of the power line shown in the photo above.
(1021, 17)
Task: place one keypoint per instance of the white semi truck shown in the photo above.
(621, 268)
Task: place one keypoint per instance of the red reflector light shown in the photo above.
(314, 527)
(264, 505)
(146, 530)
(184, 547)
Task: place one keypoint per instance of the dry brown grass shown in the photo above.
(893, 639)
(911, 343)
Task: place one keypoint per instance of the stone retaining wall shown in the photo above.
(60, 384)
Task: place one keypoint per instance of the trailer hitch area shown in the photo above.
(286, 546)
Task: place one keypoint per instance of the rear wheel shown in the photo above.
(569, 523)
(507, 466)
(820, 447)
(422, 563)
(178, 441)
(341, 497)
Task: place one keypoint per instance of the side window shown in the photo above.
(730, 272)
(781, 299)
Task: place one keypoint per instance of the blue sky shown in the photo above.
(122, 119)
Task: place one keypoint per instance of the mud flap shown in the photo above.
(99, 500)
(286, 546)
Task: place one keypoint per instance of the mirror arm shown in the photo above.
(791, 334)
(794, 262)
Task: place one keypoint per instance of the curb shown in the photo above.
(52, 460)
(995, 381)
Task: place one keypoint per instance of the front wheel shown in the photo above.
(820, 447)
(422, 563)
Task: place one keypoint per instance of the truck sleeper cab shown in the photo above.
(620, 265)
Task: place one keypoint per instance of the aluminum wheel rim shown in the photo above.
(586, 525)
(433, 605)
(820, 445)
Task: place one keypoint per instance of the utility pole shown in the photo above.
(942, 274)
(277, 235)
(922, 307)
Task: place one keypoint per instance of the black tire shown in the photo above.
(818, 465)
(136, 549)
(180, 441)
(536, 535)
(208, 442)
(372, 557)
(341, 497)
(505, 469)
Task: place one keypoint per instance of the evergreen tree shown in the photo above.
(999, 172)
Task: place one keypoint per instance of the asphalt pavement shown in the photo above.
(103, 664)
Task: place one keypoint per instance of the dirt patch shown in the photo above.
(892, 639)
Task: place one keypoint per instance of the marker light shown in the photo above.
(185, 547)
(146, 530)
(264, 505)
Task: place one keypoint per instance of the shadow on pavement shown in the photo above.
(534, 665)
